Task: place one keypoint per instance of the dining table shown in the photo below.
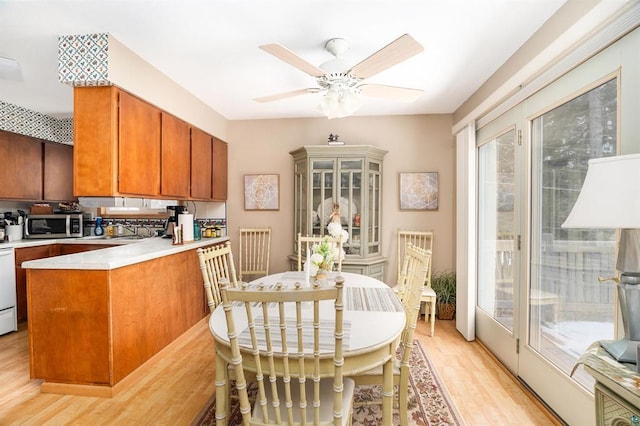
(374, 319)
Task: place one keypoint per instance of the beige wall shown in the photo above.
(415, 143)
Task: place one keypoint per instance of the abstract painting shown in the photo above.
(262, 192)
(419, 191)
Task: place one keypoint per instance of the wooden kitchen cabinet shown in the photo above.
(22, 255)
(89, 329)
(21, 170)
(139, 147)
(124, 146)
(175, 157)
(220, 169)
(201, 164)
(62, 249)
(58, 172)
(95, 141)
(116, 142)
(35, 170)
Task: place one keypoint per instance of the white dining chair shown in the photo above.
(414, 270)
(254, 249)
(424, 240)
(291, 390)
(216, 264)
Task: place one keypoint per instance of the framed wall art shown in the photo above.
(262, 192)
(418, 190)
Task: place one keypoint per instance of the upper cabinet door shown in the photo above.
(95, 141)
(21, 168)
(201, 165)
(176, 157)
(139, 150)
(58, 172)
(220, 159)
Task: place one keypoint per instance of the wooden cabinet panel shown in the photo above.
(23, 255)
(95, 143)
(69, 329)
(201, 164)
(139, 147)
(220, 160)
(136, 149)
(58, 172)
(176, 157)
(92, 328)
(21, 168)
(80, 248)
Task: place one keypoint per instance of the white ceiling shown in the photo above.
(210, 47)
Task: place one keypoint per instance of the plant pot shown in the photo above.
(446, 311)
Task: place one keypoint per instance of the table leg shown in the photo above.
(387, 392)
(222, 393)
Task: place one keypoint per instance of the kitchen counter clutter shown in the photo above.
(95, 317)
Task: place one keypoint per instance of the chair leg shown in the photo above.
(403, 397)
(433, 317)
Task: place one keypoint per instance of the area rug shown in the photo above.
(429, 400)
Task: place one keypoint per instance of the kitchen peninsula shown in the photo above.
(96, 316)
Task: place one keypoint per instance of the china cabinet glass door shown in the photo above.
(373, 214)
(350, 203)
(322, 172)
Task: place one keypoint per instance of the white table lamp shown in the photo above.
(610, 198)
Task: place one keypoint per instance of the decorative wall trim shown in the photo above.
(83, 60)
(16, 119)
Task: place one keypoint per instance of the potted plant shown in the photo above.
(444, 284)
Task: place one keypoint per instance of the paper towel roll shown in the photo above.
(186, 222)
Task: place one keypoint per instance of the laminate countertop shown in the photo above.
(123, 253)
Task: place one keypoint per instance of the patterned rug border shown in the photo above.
(434, 405)
(457, 417)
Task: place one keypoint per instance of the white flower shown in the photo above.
(334, 229)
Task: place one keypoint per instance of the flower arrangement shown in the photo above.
(326, 253)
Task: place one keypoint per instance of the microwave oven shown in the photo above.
(54, 226)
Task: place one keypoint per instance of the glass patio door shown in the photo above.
(569, 308)
(497, 305)
(540, 304)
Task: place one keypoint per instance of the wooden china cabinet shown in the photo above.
(350, 175)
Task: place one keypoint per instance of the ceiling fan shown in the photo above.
(342, 85)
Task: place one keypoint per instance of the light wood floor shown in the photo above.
(180, 379)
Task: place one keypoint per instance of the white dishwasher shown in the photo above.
(8, 317)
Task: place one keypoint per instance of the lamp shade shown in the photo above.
(610, 195)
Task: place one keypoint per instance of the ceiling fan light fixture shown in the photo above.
(338, 103)
(342, 95)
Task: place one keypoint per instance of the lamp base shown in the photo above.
(623, 350)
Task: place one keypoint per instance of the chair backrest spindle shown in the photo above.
(216, 264)
(253, 252)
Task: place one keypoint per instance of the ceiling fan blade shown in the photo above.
(395, 52)
(282, 53)
(285, 95)
(391, 92)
